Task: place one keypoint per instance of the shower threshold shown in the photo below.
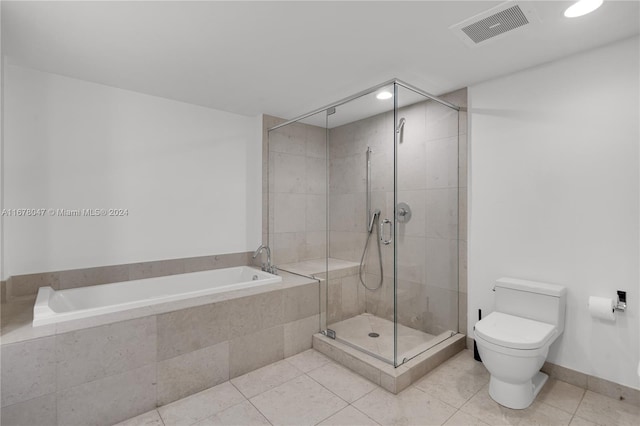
(383, 373)
(374, 335)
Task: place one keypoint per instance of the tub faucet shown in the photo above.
(267, 267)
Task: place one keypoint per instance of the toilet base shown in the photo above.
(516, 396)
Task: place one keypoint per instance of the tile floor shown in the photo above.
(310, 389)
(355, 331)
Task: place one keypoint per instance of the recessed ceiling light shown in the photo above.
(384, 95)
(582, 7)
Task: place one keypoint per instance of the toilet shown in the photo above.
(514, 340)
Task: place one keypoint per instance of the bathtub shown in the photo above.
(53, 306)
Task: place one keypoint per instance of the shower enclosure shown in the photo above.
(363, 195)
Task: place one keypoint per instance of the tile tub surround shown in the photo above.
(26, 286)
(346, 297)
(66, 377)
(310, 388)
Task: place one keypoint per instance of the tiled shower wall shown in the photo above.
(429, 158)
(297, 193)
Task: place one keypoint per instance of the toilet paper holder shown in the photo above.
(621, 304)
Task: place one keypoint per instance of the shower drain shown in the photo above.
(374, 335)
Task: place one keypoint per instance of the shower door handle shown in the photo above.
(386, 242)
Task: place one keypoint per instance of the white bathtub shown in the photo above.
(64, 305)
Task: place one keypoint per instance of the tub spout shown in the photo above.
(267, 267)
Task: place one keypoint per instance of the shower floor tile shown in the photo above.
(356, 332)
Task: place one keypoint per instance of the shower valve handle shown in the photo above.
(384, 222)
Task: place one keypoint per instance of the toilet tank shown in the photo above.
(529, 299)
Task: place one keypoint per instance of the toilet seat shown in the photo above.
(513, 332)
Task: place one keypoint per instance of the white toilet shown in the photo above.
(514, 340)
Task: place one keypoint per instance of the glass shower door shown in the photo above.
(360, 287)
(425, 222)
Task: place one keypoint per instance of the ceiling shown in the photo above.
(287, 58)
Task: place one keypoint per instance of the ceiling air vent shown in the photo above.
(494, 22)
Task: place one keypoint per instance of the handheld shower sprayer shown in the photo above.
(375, 214)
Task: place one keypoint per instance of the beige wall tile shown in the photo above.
(298, 335)
(191, 329)
(316, 212)
(37, 411)
(93, 353)
(441, 163)
(156, 268)
(334, 302)
(192, 372)
(287, 173)
(93, 276)
(462, 266)
(28, 370)
(315, 245)
(441, 263)
(463, 160)
(250, 352)
(250, 314)
(462, 313)
(442, 213)
(316, 142)
(205, 263)
(316, 175)
(351, 305)
(109, 400)
(457, 97)
(289, 139)
(300, 302)
(347, 212)
(289, 212)
(442, 121)
(347, 175)
(25, 285)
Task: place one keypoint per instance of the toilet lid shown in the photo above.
(514, 332)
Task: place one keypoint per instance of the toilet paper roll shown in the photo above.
(601, 307)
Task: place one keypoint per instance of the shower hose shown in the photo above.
(364, 253)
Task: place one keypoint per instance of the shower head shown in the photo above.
(400, 129)
(375, 214)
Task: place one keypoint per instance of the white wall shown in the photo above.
(554, 196)
(189, 176)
